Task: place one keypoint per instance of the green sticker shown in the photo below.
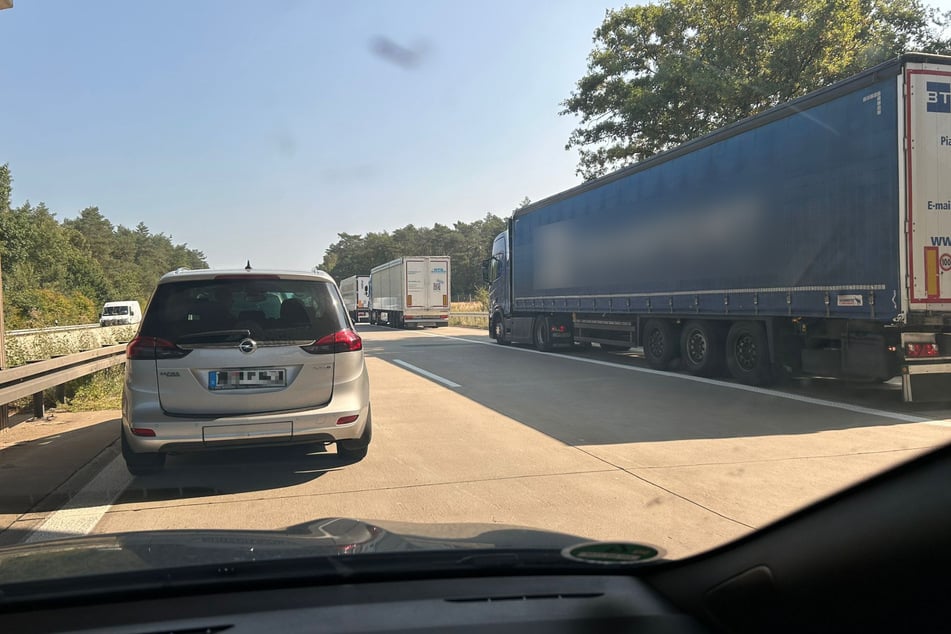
(611, 553)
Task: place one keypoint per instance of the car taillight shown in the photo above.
(340, 341)
(919, 350)
(152, 348)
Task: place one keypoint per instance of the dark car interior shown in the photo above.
(873, 558)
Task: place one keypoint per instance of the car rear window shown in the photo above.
(222, 310)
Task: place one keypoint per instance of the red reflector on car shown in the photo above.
(340, 341)
(345, 420)
(143, 431)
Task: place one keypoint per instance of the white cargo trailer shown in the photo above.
(411, 292)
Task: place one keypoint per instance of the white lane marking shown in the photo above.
(905, 418)
(434, 377)
(84, 510)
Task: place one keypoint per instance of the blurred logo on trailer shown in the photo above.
(945, 261)
(939, 96)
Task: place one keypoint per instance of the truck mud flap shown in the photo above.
(926, 387)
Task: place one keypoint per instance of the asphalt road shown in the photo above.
(465, 430)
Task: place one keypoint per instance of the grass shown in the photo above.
(98, 391)
(468, 322)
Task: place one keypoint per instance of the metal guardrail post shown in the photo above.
(39, 407)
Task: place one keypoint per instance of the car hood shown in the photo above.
(170, 549)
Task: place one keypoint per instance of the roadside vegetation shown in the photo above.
(467, 244)
(61, 272)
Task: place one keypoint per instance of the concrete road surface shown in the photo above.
(585, 442)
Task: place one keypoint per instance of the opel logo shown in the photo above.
(247, 346)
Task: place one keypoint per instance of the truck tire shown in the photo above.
(747, 353)
(498, 330)
(661, 345)
(701, 347)
(542, 335)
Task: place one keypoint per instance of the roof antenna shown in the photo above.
(247, 267)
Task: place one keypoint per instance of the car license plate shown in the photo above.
(237, 379)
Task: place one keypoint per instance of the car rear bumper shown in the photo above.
(178, 433)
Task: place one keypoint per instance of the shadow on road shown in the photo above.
(580, 397)
(48, 471)
(232, 471)
(36, 473)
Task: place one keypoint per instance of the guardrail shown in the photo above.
(23, 380)
(37, 331)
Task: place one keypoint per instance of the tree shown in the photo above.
(662, 74)
(62, 272)
(6, 187)
(467, 244)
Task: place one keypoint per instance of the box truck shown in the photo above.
(811, 239)
(411, 292)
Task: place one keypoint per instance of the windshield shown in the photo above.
(657, 273)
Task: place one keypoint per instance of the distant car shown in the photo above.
(237, 358)
(120, 313)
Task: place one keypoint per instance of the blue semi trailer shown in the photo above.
(811, 239)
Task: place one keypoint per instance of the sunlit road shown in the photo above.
(584, 442)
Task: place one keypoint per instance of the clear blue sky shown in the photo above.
(262, 129)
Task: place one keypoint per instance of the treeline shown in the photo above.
(62, 272)
(468, 244)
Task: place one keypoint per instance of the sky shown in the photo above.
(260, 130)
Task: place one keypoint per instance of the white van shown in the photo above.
(120, 313)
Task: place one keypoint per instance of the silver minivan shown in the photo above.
(238, 358)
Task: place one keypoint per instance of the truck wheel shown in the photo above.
(498, 330)
(747, 353)
(660, 344)
(701, 348)
(542, 336)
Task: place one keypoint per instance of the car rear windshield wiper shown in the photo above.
(215, 336)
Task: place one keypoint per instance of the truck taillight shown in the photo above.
(921, 350)
(558, 328)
